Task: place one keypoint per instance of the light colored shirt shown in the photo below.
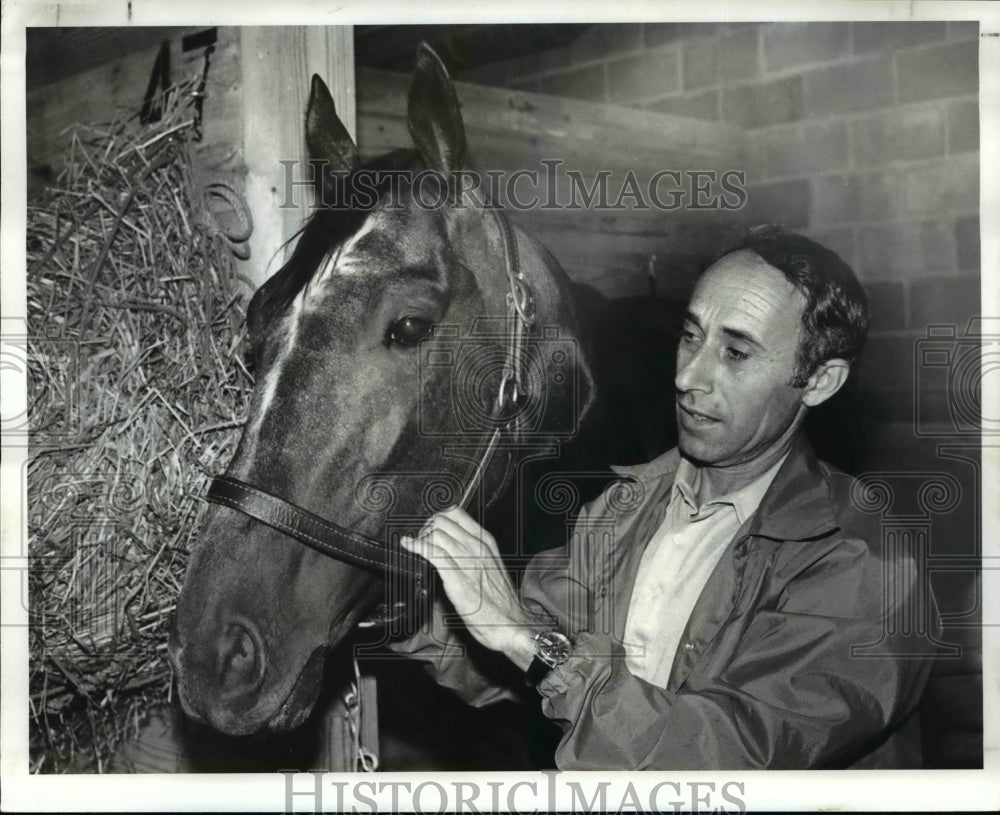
(676, 566)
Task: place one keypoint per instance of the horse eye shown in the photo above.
(409, 330)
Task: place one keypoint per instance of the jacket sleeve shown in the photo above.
(806, 681)
(456, 661)
(477, 675)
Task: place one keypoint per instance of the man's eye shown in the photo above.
(736, 355)
(688, 337)
(408, 331)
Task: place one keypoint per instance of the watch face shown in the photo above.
(552, 647)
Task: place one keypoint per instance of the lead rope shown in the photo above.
(365, 760)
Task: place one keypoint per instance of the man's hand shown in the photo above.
(477, 583)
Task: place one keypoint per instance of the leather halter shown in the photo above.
(355, 549)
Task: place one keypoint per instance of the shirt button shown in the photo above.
(689, 646)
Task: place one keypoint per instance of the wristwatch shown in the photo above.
(552, 649)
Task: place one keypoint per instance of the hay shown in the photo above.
(136, 392)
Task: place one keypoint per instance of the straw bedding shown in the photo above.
(136, 392)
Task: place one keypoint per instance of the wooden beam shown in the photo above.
(613, 249)
(540, 121)
(93, 97)
(52, 54)
(278, 64)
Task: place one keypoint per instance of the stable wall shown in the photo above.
(864, 136)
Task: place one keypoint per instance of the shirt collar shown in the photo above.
(744, 501)
(798, 506)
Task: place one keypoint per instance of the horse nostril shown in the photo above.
(242, 663)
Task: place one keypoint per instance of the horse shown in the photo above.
(408, 356)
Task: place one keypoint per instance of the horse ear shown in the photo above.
(434, 116)
(326, 136)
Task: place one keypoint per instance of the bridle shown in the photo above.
(350, 547)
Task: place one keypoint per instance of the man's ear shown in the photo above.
(828, 378)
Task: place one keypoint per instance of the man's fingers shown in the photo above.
(469, 537)
(464, 520)
(427, 544)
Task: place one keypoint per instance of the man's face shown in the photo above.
(735, 362)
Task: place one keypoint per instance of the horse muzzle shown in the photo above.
(221, 682)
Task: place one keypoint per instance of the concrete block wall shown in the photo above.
(864, 135)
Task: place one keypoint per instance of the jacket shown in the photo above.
(809, 646)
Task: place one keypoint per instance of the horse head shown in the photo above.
(377, 357)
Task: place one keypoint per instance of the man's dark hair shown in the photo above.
(836, 316)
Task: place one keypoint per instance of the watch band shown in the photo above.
(552, 648)
(537, 671)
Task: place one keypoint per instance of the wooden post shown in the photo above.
(277, 65)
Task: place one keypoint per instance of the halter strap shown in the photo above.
(355, 549)
(322, 535)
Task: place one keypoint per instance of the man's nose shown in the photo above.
(695, 370)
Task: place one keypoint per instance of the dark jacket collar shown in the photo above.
(797, 505)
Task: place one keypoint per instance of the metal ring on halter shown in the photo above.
(522, 300)
(506, 399)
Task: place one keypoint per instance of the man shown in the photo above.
(736, 610)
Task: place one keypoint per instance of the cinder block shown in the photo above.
(945, 299)
(906, 248)
(871, 37)
(967, 242)
(950, 69)
(788, 45)
(754, 106)
(700, 62)
(963, 125)
(834, 199)
(902, 133)
(841, 240)
(846, 197)
(848, 88)
(878, 195)
(704, 105)
(888, 303)
(887, 365)
(604, 40)
(805, 149)
(948, 185)
(632, 78)
(552, 59)
(783, 202)
(657, 34)
(578, 83)
(963, 30)
(738, 55)
(754, 161)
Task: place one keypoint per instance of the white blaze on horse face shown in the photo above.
(269, 385)
(343, 260)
